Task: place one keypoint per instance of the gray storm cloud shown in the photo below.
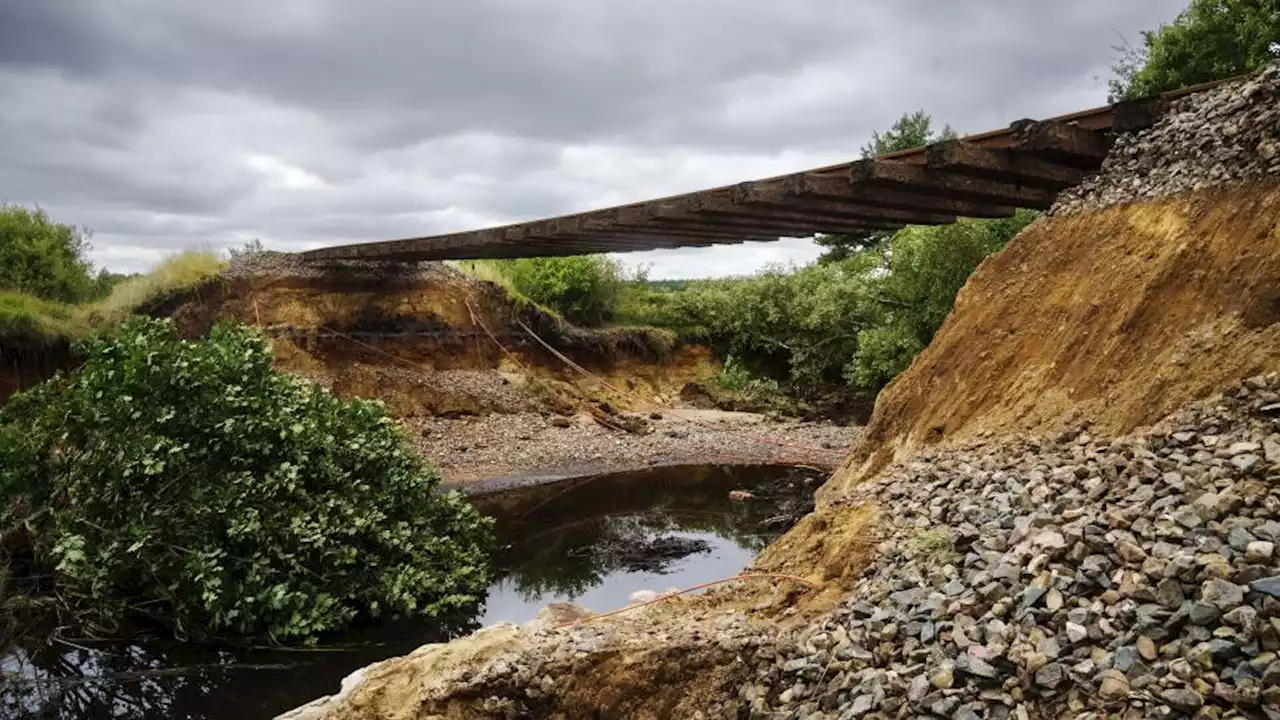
(167, 125)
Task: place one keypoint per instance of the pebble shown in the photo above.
(1183, 699)
(1147, 648)
(1114, 686)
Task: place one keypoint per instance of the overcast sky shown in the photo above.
(163, 125)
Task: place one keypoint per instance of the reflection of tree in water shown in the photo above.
(163, 678)
(67, 682)
(560, 539)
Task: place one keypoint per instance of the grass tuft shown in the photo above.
(23, 315)
(174, 273)
(491, 271)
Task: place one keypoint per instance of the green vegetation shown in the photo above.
(45, 259)
(50, 291)
(23, 315)
(850, 325)
(27, 316)
(1211, 39)
(175, 273)
(931, 543)
(582, 289)
(189, 484)
(738, 379)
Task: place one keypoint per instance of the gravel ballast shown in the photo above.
(1217, 138)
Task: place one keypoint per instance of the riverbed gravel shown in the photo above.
(502, 448)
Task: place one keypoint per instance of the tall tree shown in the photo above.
(1211, 39)
(911, 130)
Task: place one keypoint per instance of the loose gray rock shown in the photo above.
(1221, 594)
(1268, 585)
(1051, 675)
(1183, 699)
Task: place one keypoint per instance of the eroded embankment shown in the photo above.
(486, 386)
(27, 359)
(415, 336)
(1113, 317)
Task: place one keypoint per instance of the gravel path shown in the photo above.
(534, 446)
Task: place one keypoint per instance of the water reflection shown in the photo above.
(563, 541)
(589, 541)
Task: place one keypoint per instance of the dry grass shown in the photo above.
(172, 274)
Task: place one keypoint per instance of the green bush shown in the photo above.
(850, 324)
(795, 324)
(584, 289)
(1211, 39)
(189, 483)
(913, 293)
(47, 259)
(736, 377)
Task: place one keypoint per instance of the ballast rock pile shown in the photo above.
(1226, 135)
(1132, 578)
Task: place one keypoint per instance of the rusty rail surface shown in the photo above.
(987, 175)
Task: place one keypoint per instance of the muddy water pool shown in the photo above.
(593, 541)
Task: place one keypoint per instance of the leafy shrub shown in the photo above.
(188, 482)
(583, 289)
(855, 322)
(46, 259)
(736, 377)
(912, 296)
(883, 353)
(798, 324)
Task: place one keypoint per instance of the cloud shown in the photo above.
(306, 122)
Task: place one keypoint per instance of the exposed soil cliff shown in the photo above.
(1114, 317)
(25, 361)
(1155, 283)
(426, 339)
